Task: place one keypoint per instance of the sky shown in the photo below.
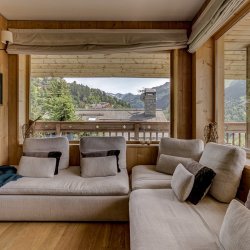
(119, 85)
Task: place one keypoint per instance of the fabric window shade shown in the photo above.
(87, 41)
(211, 20)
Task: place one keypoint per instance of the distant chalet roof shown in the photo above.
(107, 115)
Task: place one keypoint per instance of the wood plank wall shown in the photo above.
(4, 106)
(181, 94)
(203, 97)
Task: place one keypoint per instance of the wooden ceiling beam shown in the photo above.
(30, 24)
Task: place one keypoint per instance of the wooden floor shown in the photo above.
(64, 236)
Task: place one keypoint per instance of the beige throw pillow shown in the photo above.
(168, 163)
(182, 182)
(99, 166)
(37, 167)
(235, 229)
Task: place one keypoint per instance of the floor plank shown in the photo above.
(64, 236)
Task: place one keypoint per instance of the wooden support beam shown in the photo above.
(4, 104)
(13, 109)
(29, 24)
(181, 94)
(219, 87)
(203, 88)
(248, 98)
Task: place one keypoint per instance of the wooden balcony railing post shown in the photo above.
(137, 131)
(58, 129)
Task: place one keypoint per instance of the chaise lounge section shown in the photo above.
(68, 196)
(160, 221)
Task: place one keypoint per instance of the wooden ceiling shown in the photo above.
(236, 41)
(103, 65)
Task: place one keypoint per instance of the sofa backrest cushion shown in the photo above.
(92, 144)
(60, 144)
(235, 229)
(228, 163)
(168, 163)
(182, 148)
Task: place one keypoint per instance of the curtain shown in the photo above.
(212, 19)
(87, 41)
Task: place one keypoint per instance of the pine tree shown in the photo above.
(60, 104)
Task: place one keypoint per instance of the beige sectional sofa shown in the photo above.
(146, 176)
(68, 196)
(159, 221)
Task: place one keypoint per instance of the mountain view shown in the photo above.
(56, 99)
(235, 101)
(162, 97)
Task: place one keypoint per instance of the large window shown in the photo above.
(236, 75)
(120, 94)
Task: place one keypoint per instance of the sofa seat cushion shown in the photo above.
(158, 220)
(69, 182)
(145, 176)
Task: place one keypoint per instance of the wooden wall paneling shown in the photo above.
(14, 148)
(244, 187)
(248, 97)
(141, 155)
(23, 93)
(181, 97)
(203, 88)
(29, 24)
(4, 107)
(115, 65)
(219, 87)
(74, 155)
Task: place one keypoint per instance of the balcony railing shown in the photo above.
(132, 131)
(235, 133)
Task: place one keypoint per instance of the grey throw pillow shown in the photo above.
(235, 229)
(203, 179)
(182, 182)
(168, 163)
(37, 167)
(100, 163)
(53, 154)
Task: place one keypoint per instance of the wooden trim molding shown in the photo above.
(235, 18)
(19, 24)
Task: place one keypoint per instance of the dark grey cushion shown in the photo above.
(202, 182)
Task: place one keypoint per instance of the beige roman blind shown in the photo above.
(211, 20)
(93, 41)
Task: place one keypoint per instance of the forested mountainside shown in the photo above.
(55, 99)
(162, 97)
(235, 101)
